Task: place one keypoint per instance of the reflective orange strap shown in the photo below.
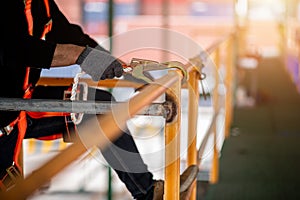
(30, 20)
(46, 2)
(29, 16)
(22, 126)
(13, 123)
(48, 26)
(22, 122)
(30, 31)
(47, 29)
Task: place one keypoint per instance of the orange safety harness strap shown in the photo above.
(48, 26)
(27, 87)
(22, 122)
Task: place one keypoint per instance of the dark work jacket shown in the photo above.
(19, 49)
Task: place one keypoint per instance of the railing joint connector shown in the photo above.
(171, 107)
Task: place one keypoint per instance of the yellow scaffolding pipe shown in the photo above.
(229, 86)
(172, 147)
(109, 83)
(215, 164)
(193, 89)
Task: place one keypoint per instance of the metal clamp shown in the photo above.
(180, 66)
(10, 179)
(197, 63)
(139, 68)
(6, 130)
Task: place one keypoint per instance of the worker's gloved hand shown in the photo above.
(99, 64)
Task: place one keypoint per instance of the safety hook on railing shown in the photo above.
(140, 68)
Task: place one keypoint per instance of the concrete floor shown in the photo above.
(261, 158)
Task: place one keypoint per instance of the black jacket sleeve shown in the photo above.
(19, 49)
(65, 32)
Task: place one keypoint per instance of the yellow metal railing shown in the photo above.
(107, 127)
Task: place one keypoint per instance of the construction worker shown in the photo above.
(36, 35)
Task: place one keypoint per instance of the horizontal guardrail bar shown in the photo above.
(108, 83)
(204, 55)
(87, 107)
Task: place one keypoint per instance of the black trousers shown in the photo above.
(122, 155)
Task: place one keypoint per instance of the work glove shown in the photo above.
(99, 64)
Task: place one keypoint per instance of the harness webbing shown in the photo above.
(27, 87)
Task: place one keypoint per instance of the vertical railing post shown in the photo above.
(172, 146)
(215, 164)
(193, 90)
(228, 85)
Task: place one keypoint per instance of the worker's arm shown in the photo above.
(99, 64)
(66, 54)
